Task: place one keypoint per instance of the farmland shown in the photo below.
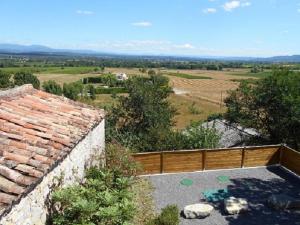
(198, 93)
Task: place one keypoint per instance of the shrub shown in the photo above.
(198, 136)
(104, 198)
(22, 77)
(5, 81)
(52, 87)
(168, 216)
(72, 90)
(119, 160)
(114, 90)
(193, 109)
(215, 116)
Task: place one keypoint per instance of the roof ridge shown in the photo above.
(16, 90)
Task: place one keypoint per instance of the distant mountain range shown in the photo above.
(40, 49)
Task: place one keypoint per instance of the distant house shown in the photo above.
(46, 141)
(232, 136)
(121, 76)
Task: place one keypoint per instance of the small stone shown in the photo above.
(235, 205)
(200, 210)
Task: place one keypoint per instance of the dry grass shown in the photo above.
(64, 78)
(183, 103)
(213, 90)
(144, 201)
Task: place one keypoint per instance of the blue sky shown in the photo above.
(170, 27)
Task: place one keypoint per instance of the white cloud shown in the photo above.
(84, 12)
(185, 46)
(142, 24)
(231, 5)
(209, 10)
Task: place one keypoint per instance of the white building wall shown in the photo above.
(32, 209)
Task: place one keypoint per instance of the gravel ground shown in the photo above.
(255, 184)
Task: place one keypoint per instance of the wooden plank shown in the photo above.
(204, 160)
(182, 161)
(150, 163)
(264, 156)
(291, 160)
(223, 159)
(161, 162)
(243, 158)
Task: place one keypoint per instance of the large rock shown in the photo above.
(235, 205)
(282, 201)
(200, 210)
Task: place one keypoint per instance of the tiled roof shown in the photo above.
(36, 130)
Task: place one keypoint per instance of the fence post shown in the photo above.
(281, 149)
(203, 159)
(243, 157)
(161, 162)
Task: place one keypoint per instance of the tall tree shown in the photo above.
(145, 114)
(271, 105)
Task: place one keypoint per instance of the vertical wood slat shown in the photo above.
(281, 149)
(162, 162)
(204, 160)
(243, 158)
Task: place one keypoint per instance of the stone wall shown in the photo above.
(32, 208)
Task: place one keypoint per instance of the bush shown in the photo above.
(193, 109)
(215, 116)
(5, 81)
(73, 90)
(52, 87)
(22, 77)
(114, 90)
(168, 216)
(106, 79)
(119, 160)
(104, 198)
(197, 136)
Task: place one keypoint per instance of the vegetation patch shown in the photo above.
(187, 76)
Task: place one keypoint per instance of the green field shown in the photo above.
(254, 75)
(187, 76)
(52, 70)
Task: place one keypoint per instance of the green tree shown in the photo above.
(5, 81)
(23, 77)
(73, 90)
(271, 105)
(52, 87)
(144, 114)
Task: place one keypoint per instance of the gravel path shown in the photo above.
(255, 184)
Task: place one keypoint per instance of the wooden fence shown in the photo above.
(199, 160)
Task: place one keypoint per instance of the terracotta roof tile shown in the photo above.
(36, 130)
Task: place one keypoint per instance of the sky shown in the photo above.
(256, 28)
